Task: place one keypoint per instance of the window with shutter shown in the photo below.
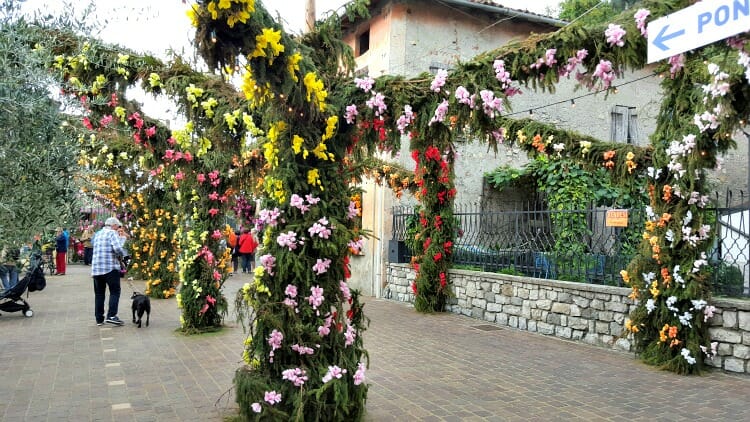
(624, 124)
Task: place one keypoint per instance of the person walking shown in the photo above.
(247, 245)
(61, 249)
(109, 249)
(9, 267)
(232, 238)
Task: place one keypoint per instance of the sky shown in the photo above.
(155, 26)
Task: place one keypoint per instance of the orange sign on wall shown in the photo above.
(617, 218)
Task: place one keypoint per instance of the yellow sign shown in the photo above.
(617, 218)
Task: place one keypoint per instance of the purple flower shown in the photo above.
(320, 229)
(345, 290)
(303, 350)
(377, 103)
(490, 104)
(274, 340)
(297, 376)
(352, 211)
(349, 335)
(288, 239)
(291, 290)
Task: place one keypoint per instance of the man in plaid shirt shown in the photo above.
(109, 249)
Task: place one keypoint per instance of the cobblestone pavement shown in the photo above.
(58, 365)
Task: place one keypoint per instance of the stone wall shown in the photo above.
(587, 313)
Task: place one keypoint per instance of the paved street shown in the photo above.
(58, 365)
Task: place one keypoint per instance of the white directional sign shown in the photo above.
(700, 24)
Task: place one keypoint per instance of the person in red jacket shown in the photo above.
(247, 245)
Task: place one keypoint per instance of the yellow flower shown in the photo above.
(521, 137)
(193, 93)
(122, 58)
(292, 65)
(315, 89)
(313, 177)
(211, 7)
(331, 123)
(268, 39)
(225, 4)
(208, 106)
(297, 143)
(153, 80)
(654, 289)
(320, 151)
(630, 327)
(193, 16)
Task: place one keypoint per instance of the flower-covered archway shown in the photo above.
(305, 355)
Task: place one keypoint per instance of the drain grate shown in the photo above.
(486, 327)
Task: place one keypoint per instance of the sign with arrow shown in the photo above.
(696, 26)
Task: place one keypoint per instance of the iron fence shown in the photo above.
(528, 240)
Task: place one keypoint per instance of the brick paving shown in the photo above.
(58, 365)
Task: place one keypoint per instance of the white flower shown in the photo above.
(650, 305)
(686, 354)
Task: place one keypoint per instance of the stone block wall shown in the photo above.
(588, 313)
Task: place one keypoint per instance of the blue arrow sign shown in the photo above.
(661, 37)
(703, 23)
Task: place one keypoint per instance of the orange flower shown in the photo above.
(608, 155)
(665, 275)
(662, 333)
(667, 193)
(673, 331)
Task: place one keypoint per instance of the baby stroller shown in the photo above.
(11, 300)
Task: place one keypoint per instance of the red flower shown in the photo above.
(438, 222)
(447, 246)
(441, 196)
(443, 281)
(414, 287)
(87, 123)
(423, 221)
(350, 313)
(347, 272)
(426, 244)
(438, 256)
(113, 101)
(433, 153)
(452, 193)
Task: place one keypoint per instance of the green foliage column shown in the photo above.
(304, 355)
(433, 174)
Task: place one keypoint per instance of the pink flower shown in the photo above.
(171, 141)
(321, 266)
(352, 211)
(439, 80)
(216, 234)
(291, 290)
(345, 290)
(677, 62)
(640, 20)
(359, 375)
(169, 154)
(201, 177)
(106, 120)
(325, 329)
(490, 104)
(406, 119)
(217, 275)
(351, 113)
(274, 340)
(188, 156)
(256, 407)
(316, 298)
(213, 175)
(151, 131)
(203, 309)
(303, 350)
(268, 262)
(333, 372)
(288, 239)
(320, 229)
(179, 175)
(377, 103)
(87, 123)
(615, 34)
(272, 397)
(440, 112)
(365, 83)
(214, 196)
(605, 72)
(349, 335)
(297, 376)
(213, 212)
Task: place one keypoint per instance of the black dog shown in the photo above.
(141, 304)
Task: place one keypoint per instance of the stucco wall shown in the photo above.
(587, 313)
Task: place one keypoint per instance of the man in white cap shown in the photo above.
(105, 268)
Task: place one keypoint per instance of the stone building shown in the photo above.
(408, 37)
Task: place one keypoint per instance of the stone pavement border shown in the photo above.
(58, 365)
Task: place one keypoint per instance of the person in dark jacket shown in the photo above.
(61, 249)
